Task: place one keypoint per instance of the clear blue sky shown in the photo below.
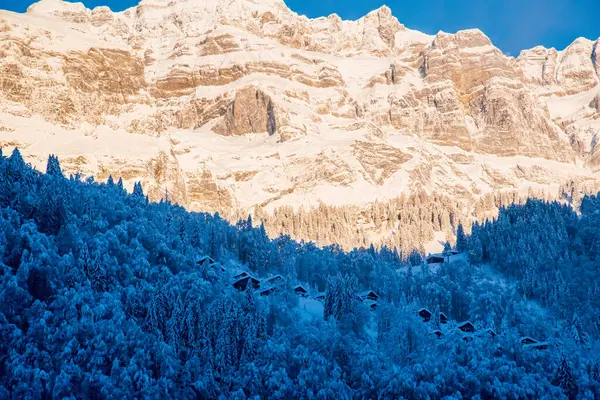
(512, 25)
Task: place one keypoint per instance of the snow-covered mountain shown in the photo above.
(232, 104)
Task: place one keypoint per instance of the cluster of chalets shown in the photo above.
(469, 332)
(267, 286)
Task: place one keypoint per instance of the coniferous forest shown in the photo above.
(104, 295)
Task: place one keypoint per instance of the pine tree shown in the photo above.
(437, 323)
(330, 299)
(576, 331)
(565, 380)
(461, 239)
(596, 372)
(16, 166)
(53, 167)
(138, 191)
(85, 259)
(176, 326)
(475, 250)
(446, 252)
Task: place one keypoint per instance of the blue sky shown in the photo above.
(512, 25)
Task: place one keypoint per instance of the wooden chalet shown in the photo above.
(275, 280)
(242, 283)
(300, 290)
(435, 259)
(528, 340)
(368, 295)
(425, 314)
(486, 333)
(241, 274)
(267, 291)
(531, 343)
(319, 296)
(372, 304)
(466, 327)
(208, 262)
(443, 318)
(540, 346)
(205, 260)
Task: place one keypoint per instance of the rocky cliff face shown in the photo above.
(234, 104)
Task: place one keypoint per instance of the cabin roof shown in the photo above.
(266, 289)
(424, 309)
(465, 323)
(204, 258)
(366, 293)
(536, 345)
(528, 338)
(246, 277)
(300, 287)
(435, 255)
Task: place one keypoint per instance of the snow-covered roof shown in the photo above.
(486, 332)
(536, 345)
(246, 277)
(435, 255)
(424, 309)
(204, 258)
(528, 338)
(266, 289)
(366, 293)
(464, 323)
(300, 287)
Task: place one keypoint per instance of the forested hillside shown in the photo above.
(102, 296)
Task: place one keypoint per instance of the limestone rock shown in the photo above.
(251, 111)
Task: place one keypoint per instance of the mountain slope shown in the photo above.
(105, 295)
(237, 104)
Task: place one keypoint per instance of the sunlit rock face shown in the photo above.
(235, 104)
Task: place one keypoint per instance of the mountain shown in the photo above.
(230, 105)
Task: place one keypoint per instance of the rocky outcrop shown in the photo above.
(595, 104)
(378, 160)
(596, 57)
(573, 71)
(576, 72)
(112, 73)
(251, 111)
